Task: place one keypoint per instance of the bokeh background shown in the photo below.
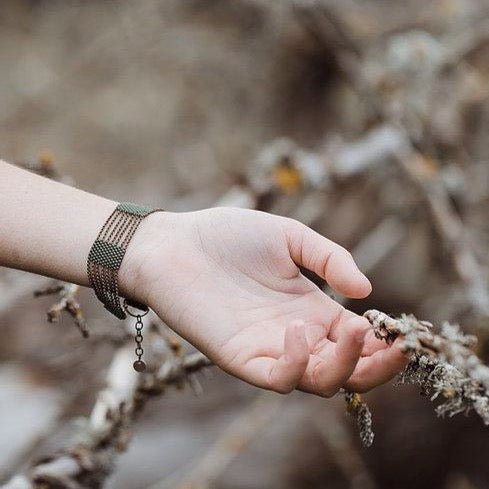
(179, 103)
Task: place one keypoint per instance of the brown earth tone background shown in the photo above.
(172, 103)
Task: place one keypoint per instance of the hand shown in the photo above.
(228, 281)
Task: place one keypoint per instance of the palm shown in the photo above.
(248, 307)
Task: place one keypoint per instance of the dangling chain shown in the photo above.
(139, 339)
(139, 365)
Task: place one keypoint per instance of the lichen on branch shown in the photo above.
(442, 363)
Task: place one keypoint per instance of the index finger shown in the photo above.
(329, 370)
(377, 368)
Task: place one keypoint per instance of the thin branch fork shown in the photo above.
(67, 302)
(107, 431)
(449, 226)
(448, 223)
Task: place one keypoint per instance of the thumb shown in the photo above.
(328, 260)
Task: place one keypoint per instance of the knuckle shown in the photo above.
(341, 253)
(294, 229)
(283, 389)
(329, 392)
(281, 386)
(295, 223)
(362, 388)
(362, 326)
(359, 385)
(315, 381)
(321, 387)
(289, 223)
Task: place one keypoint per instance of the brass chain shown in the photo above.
(139, 365)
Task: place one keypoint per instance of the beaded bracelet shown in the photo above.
(104, 260)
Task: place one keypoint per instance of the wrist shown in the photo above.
(150, 239)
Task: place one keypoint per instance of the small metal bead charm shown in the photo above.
(139, 366)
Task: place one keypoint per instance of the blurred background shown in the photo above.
(367, 120)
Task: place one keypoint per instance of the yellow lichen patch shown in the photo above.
(46, 160)
(176, 345)
(426, 166)
(353, 402)
(287, 177)
(449, 392)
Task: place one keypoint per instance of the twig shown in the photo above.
(230, 443)
(90, 459)
(67, 302)
(449, 226)
(443, 363)
(359, 409)
(337, 437)
(448, 223)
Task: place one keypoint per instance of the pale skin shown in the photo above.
(227, 280)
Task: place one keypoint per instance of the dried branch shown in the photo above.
(449, 226)
(443, 364)
(331, 426)
(337, 160)
(402, 89)
(67, 302)
(228, 445)
(91, 458)
(359, 409)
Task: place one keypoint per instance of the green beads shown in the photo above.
(136, 210)
(106, 254)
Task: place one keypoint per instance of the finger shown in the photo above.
(282, 374)
(329, 371)
(378, 368)
(328, 260)
(373, 344)
(336, 316)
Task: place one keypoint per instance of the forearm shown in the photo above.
(47, 227)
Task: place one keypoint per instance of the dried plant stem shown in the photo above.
(91, 458)
(450, 228)
(338, 438)
(229, 444)
(67, 302)
(443, 363)
(359, 409)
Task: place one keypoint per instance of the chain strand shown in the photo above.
(139, 364)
